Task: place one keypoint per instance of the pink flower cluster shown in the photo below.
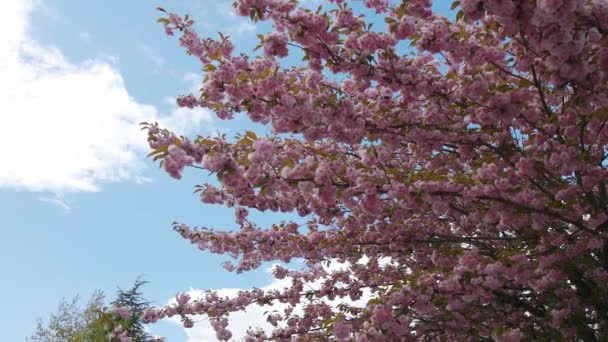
(275, 44)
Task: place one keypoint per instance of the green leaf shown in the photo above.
(155, 152)
(459, 15)
(251, 135)
(503, 87)
(455, 4)
(401, 11)
(525, 83)
(328, 322)
(333, 98)
(209, 67)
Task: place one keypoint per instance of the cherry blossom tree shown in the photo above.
(462, 179)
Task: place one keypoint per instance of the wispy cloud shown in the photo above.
(59, 201)
(220, 15)
(85, 37)
(152, 55)
(68, 127)
(241, 28)
(194, 81)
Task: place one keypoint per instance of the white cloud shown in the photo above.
(68, 127)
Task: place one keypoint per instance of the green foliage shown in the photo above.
(93, 322)
(70, 322)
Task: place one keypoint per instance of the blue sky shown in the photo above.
(81, 207)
